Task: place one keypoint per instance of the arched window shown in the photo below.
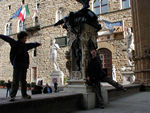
(20, 26)
(37, 5)
(24, 25)
(7, 29)
(9, 7)
(10, 29)
(60, 13)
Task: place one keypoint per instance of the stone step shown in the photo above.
(47, 103)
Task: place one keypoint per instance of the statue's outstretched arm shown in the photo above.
(57, 46)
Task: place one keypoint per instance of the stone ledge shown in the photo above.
(48, 103)
(62, 102)
(111, 93)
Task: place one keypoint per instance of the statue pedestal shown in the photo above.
(77, 86)
(128, 75)
(77, 82)
(128, 78)
(57, 76)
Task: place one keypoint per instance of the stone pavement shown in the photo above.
(137, 103)
(3, 93)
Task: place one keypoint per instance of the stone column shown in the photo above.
(77, 81)
(141, 29)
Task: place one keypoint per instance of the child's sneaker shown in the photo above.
(12, 99)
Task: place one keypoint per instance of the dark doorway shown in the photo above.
(106, 57)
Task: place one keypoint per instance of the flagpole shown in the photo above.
(47, 26)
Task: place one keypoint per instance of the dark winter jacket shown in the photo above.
(45, 90)
(19, 56)
(8, 85)
(37, 89)
(94, 70)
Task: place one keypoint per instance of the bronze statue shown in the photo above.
(78, 18)
(73, 23)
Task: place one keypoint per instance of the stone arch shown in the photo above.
(107, 46)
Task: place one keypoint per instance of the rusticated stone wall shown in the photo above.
(47, 15)
(117, 42)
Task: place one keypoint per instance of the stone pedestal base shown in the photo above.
(57, 76)
(78, 62)
(128, 77)
(104, 92)
(88, 95)
(89, 100)
(78, 88)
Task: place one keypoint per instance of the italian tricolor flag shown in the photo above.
(24, 12)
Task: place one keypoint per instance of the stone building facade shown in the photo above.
(40, 65)
(113, 45)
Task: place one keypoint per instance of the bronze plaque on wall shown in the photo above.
(61, 41)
